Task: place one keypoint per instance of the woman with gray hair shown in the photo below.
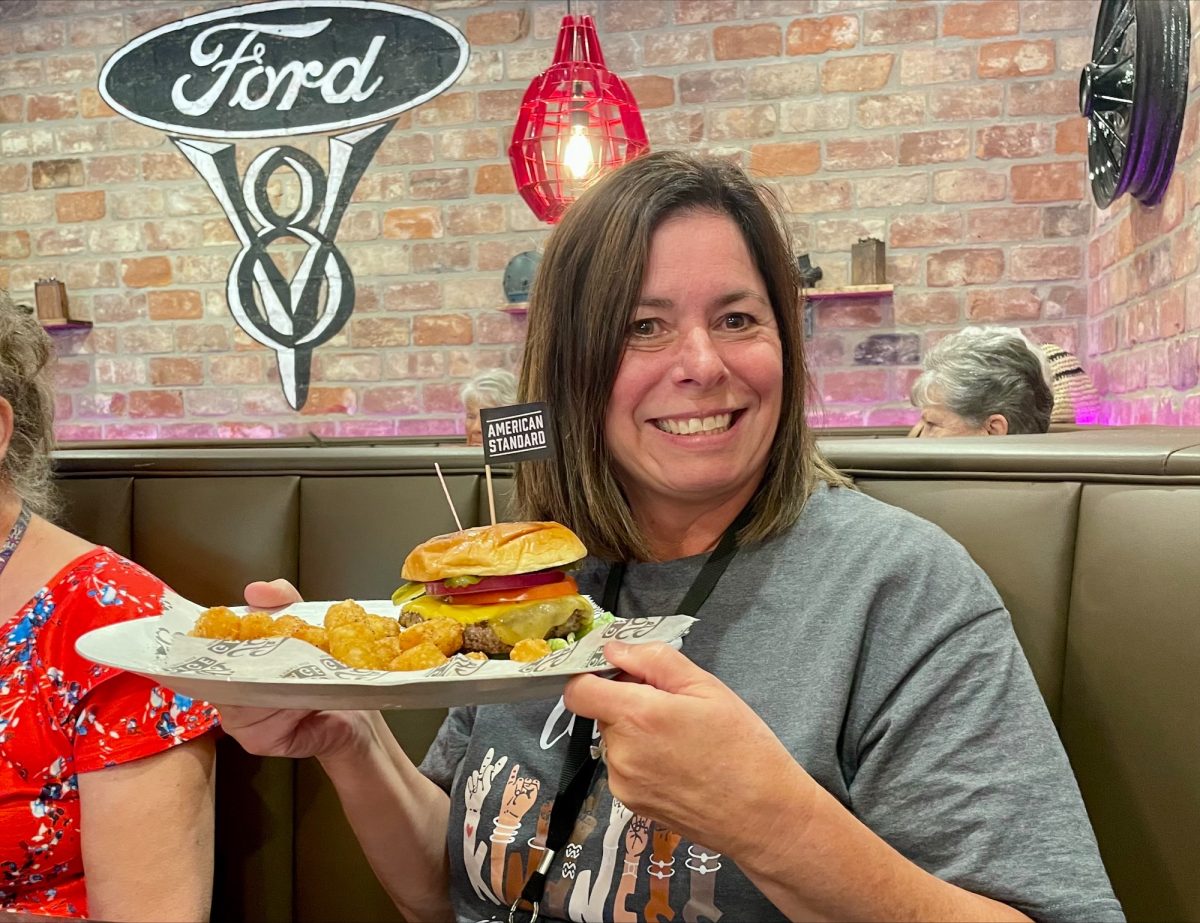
(490, 388)
(983, 381)
(107, 780)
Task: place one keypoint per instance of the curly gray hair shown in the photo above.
(25, 353)
(493, 388)
(979, 371)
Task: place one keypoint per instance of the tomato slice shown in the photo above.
(494, 584)
(565, 587)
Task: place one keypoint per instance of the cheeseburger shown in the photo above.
(505, 583)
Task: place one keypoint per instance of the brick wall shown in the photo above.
(948, 129)
(1143, 331)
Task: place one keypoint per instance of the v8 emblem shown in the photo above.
(291, 316)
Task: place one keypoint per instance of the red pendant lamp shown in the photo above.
(577, 121)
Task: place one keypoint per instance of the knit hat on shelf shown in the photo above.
(1076, 399)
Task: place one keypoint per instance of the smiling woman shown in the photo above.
(680, 331)
(664, 336)
(695, 406)
(851, 730)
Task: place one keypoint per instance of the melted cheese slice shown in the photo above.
(512, 622)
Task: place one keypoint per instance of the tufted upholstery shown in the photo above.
(1092, 537)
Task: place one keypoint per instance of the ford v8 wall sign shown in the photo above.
(283, 68)
(275, 70)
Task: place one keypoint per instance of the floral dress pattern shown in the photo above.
(61, 715)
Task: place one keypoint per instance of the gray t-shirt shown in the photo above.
(882, 657)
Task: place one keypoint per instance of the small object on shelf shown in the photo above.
(53, 309)
(868, 262)
(518, 276)
(51, 298)
(810, 275)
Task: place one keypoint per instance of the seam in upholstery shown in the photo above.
(1169, 480)
(1062, 666)
(133, 551)
(1172, 453)
(294, 853)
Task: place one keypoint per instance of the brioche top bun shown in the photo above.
(493, 551)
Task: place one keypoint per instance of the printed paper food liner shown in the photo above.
(289, 660)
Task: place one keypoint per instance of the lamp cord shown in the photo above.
(574, 36)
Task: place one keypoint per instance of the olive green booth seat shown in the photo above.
(1091, 536)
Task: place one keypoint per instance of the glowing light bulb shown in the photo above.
(577, 157)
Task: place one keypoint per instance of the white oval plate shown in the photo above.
(286, 673)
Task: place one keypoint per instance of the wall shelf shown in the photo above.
(67, 325)
(850, 291)
(812, 294)
(520, 308)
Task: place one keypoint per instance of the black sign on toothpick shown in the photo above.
(519, 432)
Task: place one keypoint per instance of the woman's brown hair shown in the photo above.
(25, 353)
(581, 305)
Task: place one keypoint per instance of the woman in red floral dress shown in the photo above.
(106, 780)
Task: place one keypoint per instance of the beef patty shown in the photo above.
(480, 636)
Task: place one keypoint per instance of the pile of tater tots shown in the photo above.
(356, 637)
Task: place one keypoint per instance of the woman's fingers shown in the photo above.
(262, 594)
(658, 665)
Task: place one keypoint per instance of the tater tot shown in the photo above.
(218, 623)
(344, 612)
(476, 655)
(358, 656)
(350, 631)
(384, 651)
(347, 636)
(255, 625)
(365, 653)
(314, 635)
(381, 626)
(529, 650)
(425, 656)
(444, 634)
(288, 626)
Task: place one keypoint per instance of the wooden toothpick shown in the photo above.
(446, 491)
(491, 497)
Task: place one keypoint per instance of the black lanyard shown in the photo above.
(582, 760)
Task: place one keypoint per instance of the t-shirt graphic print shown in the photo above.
(617, 865)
